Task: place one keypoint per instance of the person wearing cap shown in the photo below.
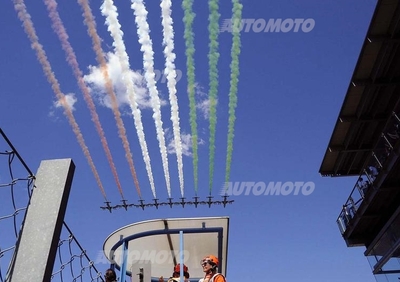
(177, 274)
(210, 268)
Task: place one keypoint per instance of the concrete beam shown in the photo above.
(40, 234)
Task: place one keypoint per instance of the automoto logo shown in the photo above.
(273, 188)
(273, 25)
(147, 256)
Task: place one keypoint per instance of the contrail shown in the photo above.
(189, 42)
(213, 57)
(143, 32)
(235, 52)
(109, 10)
(61, 32)
(91, 24)
(168, 41)
(25, 18)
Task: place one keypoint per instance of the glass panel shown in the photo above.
(388, 239)
(392, 265)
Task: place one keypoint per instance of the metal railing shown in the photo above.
(366, 181)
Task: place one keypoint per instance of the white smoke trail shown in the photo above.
(109, 10)
(96, 42)
(168, 41)
(143, 31)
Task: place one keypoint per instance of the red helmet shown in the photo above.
(177, 268)
(211, 259)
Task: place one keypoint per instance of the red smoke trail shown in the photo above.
(91, 24)
(41, 56)
(59, 29)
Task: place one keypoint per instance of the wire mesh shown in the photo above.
(72, 263)
(16, 188)
(16, 185)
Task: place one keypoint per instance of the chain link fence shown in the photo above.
(16, 188)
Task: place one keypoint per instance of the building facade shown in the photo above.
(365, 143)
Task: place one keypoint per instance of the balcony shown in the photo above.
(376, 194)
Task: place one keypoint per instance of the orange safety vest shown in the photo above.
(217, 277)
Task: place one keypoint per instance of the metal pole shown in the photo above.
(124, 261)
(181, 254)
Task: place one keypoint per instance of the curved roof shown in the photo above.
(154, 245)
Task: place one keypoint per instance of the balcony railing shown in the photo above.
(366, 181)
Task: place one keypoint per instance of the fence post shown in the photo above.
(37, 248)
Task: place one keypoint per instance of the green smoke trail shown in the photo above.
(189, 42)
(213, 57)
(235, 52)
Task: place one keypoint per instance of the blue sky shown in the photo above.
(291, 88)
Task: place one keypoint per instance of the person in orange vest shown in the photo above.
(210, 268)
(177, 273)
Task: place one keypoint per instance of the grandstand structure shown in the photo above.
(365, 143)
